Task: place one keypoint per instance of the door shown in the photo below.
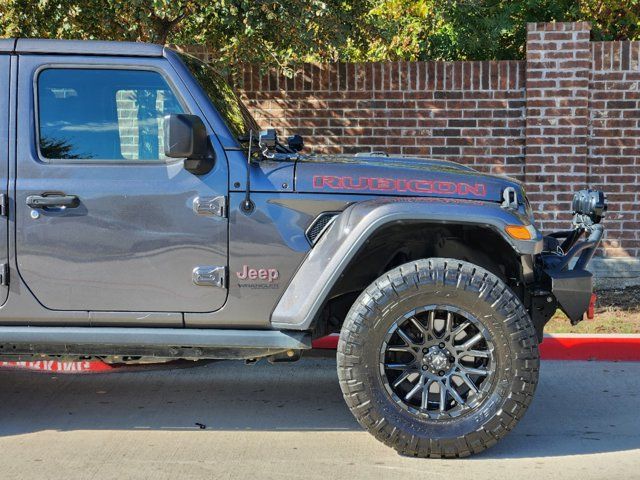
(104, 221)
(4, 168)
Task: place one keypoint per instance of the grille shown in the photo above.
(319, 225)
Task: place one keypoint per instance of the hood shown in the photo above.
(398, 176)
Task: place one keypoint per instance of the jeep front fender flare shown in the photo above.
(318, 273)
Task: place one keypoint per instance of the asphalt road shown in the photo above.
(289, 421)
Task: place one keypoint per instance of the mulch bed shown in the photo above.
(627, 299)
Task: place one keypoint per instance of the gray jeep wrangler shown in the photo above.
(146, 218)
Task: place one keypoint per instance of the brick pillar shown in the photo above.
(557, 99)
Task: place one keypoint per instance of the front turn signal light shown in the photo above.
(518, 232)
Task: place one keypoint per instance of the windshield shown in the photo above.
(224, 98)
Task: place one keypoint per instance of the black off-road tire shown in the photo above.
(462, 285)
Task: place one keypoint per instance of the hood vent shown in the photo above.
(319, 226)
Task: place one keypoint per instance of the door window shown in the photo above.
(103, 114)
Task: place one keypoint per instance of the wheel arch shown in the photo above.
(372, 235)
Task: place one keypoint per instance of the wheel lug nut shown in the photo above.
(425, 350)
(424, 367)
(451, 359)
(441, 373)
(441, 345)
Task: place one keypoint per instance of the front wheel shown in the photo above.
(438, 358)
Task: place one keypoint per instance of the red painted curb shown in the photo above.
(55, 366)
(330, 342)
(618, 348)
(89, 366)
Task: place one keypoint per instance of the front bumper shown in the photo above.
(562, 266)
(572, 287)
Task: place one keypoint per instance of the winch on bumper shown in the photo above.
(561, 276)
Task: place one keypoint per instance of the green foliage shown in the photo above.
(612, 19)
(495, 29)
(284, 32)
(485, 29)
(260, 31)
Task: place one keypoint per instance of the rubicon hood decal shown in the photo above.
(398, 176)
(399, 185)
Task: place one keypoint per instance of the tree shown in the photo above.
(282, 33)
(268, 32)
(612, 19)
(484, 29)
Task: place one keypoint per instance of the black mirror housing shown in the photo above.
(185, 136)
(295, 142)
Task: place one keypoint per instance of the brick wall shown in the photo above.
(614, 141)
(469, 111)
(568, 117)
(557, 90)
(583, 130)
(128, 104)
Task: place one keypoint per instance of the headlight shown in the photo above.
(589, 203)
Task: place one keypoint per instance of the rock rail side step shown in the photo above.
(149, 342)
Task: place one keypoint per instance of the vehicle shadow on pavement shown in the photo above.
(225, 395)
(580, 407)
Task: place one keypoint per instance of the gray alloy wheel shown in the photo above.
(437, 361)
(438, 358)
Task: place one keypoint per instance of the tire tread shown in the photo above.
(463, 275)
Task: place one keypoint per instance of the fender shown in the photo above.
(316, 276)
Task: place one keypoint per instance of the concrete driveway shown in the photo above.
(289, 421)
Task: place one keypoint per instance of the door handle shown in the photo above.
(53, 200)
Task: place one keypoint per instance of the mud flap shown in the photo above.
(572, 289)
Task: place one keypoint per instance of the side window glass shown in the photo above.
(103, 114)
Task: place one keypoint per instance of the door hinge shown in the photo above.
(210, 276)
(216, 206)
(4, 274)
(3, 205)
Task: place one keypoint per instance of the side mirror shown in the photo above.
(295, 142)
(185, 136)
(268, 139)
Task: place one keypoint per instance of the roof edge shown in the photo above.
(87, 47)
(7, 45)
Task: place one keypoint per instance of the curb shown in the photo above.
(89, 366)
(613, 348)
(55, 366)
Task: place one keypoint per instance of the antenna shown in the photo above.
(247, 205)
